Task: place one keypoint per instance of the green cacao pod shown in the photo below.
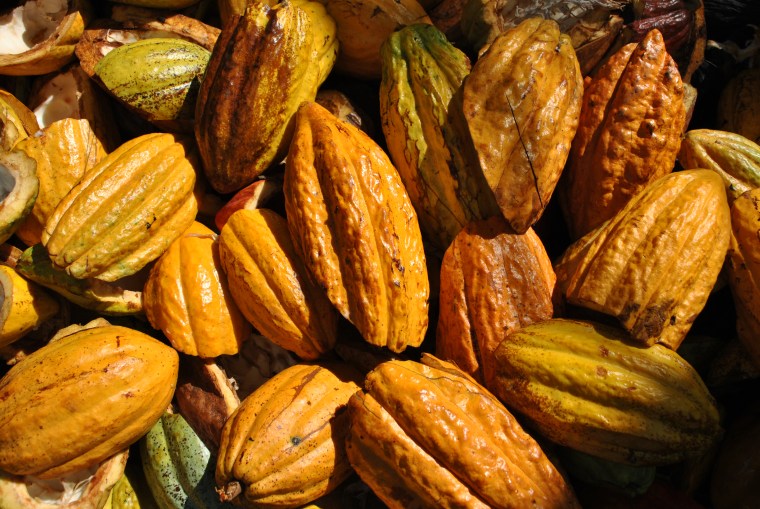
(426, 135)
(589, 387)
(157, 78)
(178, 467)
(125, 211)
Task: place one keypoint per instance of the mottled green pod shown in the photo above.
(157, 78)
(426, 134)
(176, 466)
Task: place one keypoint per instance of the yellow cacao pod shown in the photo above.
(588, 387)
(188, 298)
(125, 211)
(271, 285)
(264, 65)
(468, 452)
(64, 152)
(356, 230)
(653, 265)
(284, 446)
(730, 155)
(82, 398)
(522, 126)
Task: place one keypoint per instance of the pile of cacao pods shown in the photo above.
(369, 253)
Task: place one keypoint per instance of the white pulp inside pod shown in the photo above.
(30, 24)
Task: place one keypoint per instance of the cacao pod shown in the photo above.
(744, 270)
(285, 444)
(91, 394)
(628, 135)
(739, 105)
(16, 121)
(470, 451)
(653, 265)
(422, 72)
(587, 386)
(493, 282)
(24, 306)
(157, 78)
(19, 173)
(64, 152)
(731, 155)
(271, 286)
(265, 63)
(125, 211)
(522, 125)
(355, 229)
(188, 298)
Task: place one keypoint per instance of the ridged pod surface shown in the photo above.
(82, 398)
(285, 444)
(158, 78)
(731, 155)
(493, 281)
(271, 285)
(264, 65)
(427, 141)
(653, 265)
(588, 387)
(188, 298)
(178, 468)
(744, 269)
(630, 128)
(125, 211)
(522, 101)
(64, 152)
(356, 230)
(468, 452)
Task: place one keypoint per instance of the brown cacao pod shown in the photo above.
(422, 73)
(744, 269)
(522, 126)
(493, 281)
(125, 211)
(284, 446)
(470, 451)
(356, 230)
(83, 398)
(188, 298)
(653, 265)
(734, 480)
(730, 155)
(265, 63)
(587, 386)
(739, 105)
(64, 152)
(628, 135)
(271, 285)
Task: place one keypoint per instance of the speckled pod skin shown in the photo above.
(591, 388)
(82, 398)
(284, 445)
(653, 265)
(125, 211)
(493, 281)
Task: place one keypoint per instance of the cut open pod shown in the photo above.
(39, 36)
(19, 186)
